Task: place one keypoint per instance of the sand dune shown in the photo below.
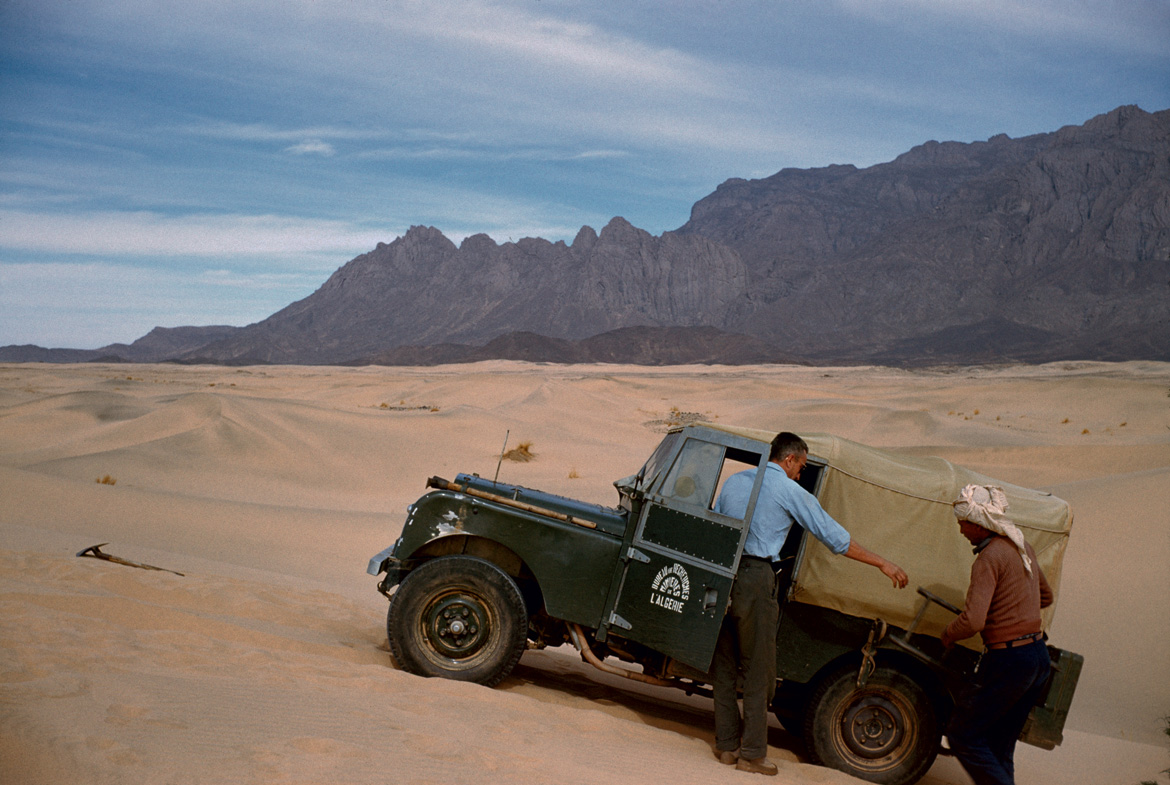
(269, 488)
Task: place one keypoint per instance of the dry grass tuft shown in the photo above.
(1064, 421)
(573, 474)
(402, 406)
(521, 453)
(675, 418)
(107, 480)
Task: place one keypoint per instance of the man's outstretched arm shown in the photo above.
(892, 571)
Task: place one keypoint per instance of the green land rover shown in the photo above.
(484, 570)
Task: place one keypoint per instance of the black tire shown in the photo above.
(886, 732)
(458, 617)
(789, 707)
(793, 725)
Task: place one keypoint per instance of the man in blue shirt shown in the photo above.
(748, 636)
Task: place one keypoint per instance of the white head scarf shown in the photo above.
(985, 505)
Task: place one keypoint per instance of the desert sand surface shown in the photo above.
(269, 488)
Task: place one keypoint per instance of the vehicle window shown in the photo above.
(695, 474)
(653, 466)
(701, 470)
(734, 462)
(810, 476)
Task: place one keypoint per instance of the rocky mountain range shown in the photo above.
(1048, 247)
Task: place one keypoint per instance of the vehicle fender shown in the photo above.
(572, 564)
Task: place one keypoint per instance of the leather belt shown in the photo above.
(1023, 640)
(772, 565)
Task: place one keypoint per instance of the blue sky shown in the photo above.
(211, 161)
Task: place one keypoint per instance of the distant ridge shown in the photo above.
(1051, 247)
(161, 343)
(28, 353)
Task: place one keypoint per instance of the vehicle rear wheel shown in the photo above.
(459, 617)
(885, 732)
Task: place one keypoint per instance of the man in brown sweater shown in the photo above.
(1004, 599)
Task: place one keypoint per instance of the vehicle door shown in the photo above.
(676, 575)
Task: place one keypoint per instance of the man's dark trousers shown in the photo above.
(984, 728)
(747, 639)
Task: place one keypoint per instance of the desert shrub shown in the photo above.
(678, 417)
(106, 480)
(521, 453)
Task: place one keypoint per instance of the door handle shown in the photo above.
(710, 598)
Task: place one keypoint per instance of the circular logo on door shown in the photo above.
(671, 588)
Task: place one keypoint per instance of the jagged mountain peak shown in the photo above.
(1054, 243)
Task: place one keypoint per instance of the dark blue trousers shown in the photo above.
(985, 726)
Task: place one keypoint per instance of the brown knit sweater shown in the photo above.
(1003, 600)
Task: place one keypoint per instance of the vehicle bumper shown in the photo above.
(384, 562)
(378, 563)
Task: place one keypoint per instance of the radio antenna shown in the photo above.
(497, 477)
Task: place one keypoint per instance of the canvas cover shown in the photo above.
(900, 507)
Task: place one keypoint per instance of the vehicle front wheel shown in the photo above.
(885, 732)
(459, 617)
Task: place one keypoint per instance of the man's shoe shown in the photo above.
(727, 757)
(757, 766)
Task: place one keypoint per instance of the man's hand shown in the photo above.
(895, 573)
(892, 571)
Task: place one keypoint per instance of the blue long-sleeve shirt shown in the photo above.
(781, 502)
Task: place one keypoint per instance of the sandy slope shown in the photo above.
(269, 488)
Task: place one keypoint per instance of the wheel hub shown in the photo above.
(456, 626)
(872, 727)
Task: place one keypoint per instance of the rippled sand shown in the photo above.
(270, 487)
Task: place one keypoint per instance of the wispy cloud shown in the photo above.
(91, 304)
(154, 234)
(268, 132)
(106, 284)
(1119, 24)
(435, 152)
(562, 48)
(311, 147)
(257, 280)
(520, 68)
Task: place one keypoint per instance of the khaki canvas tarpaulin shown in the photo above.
(900, 506)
